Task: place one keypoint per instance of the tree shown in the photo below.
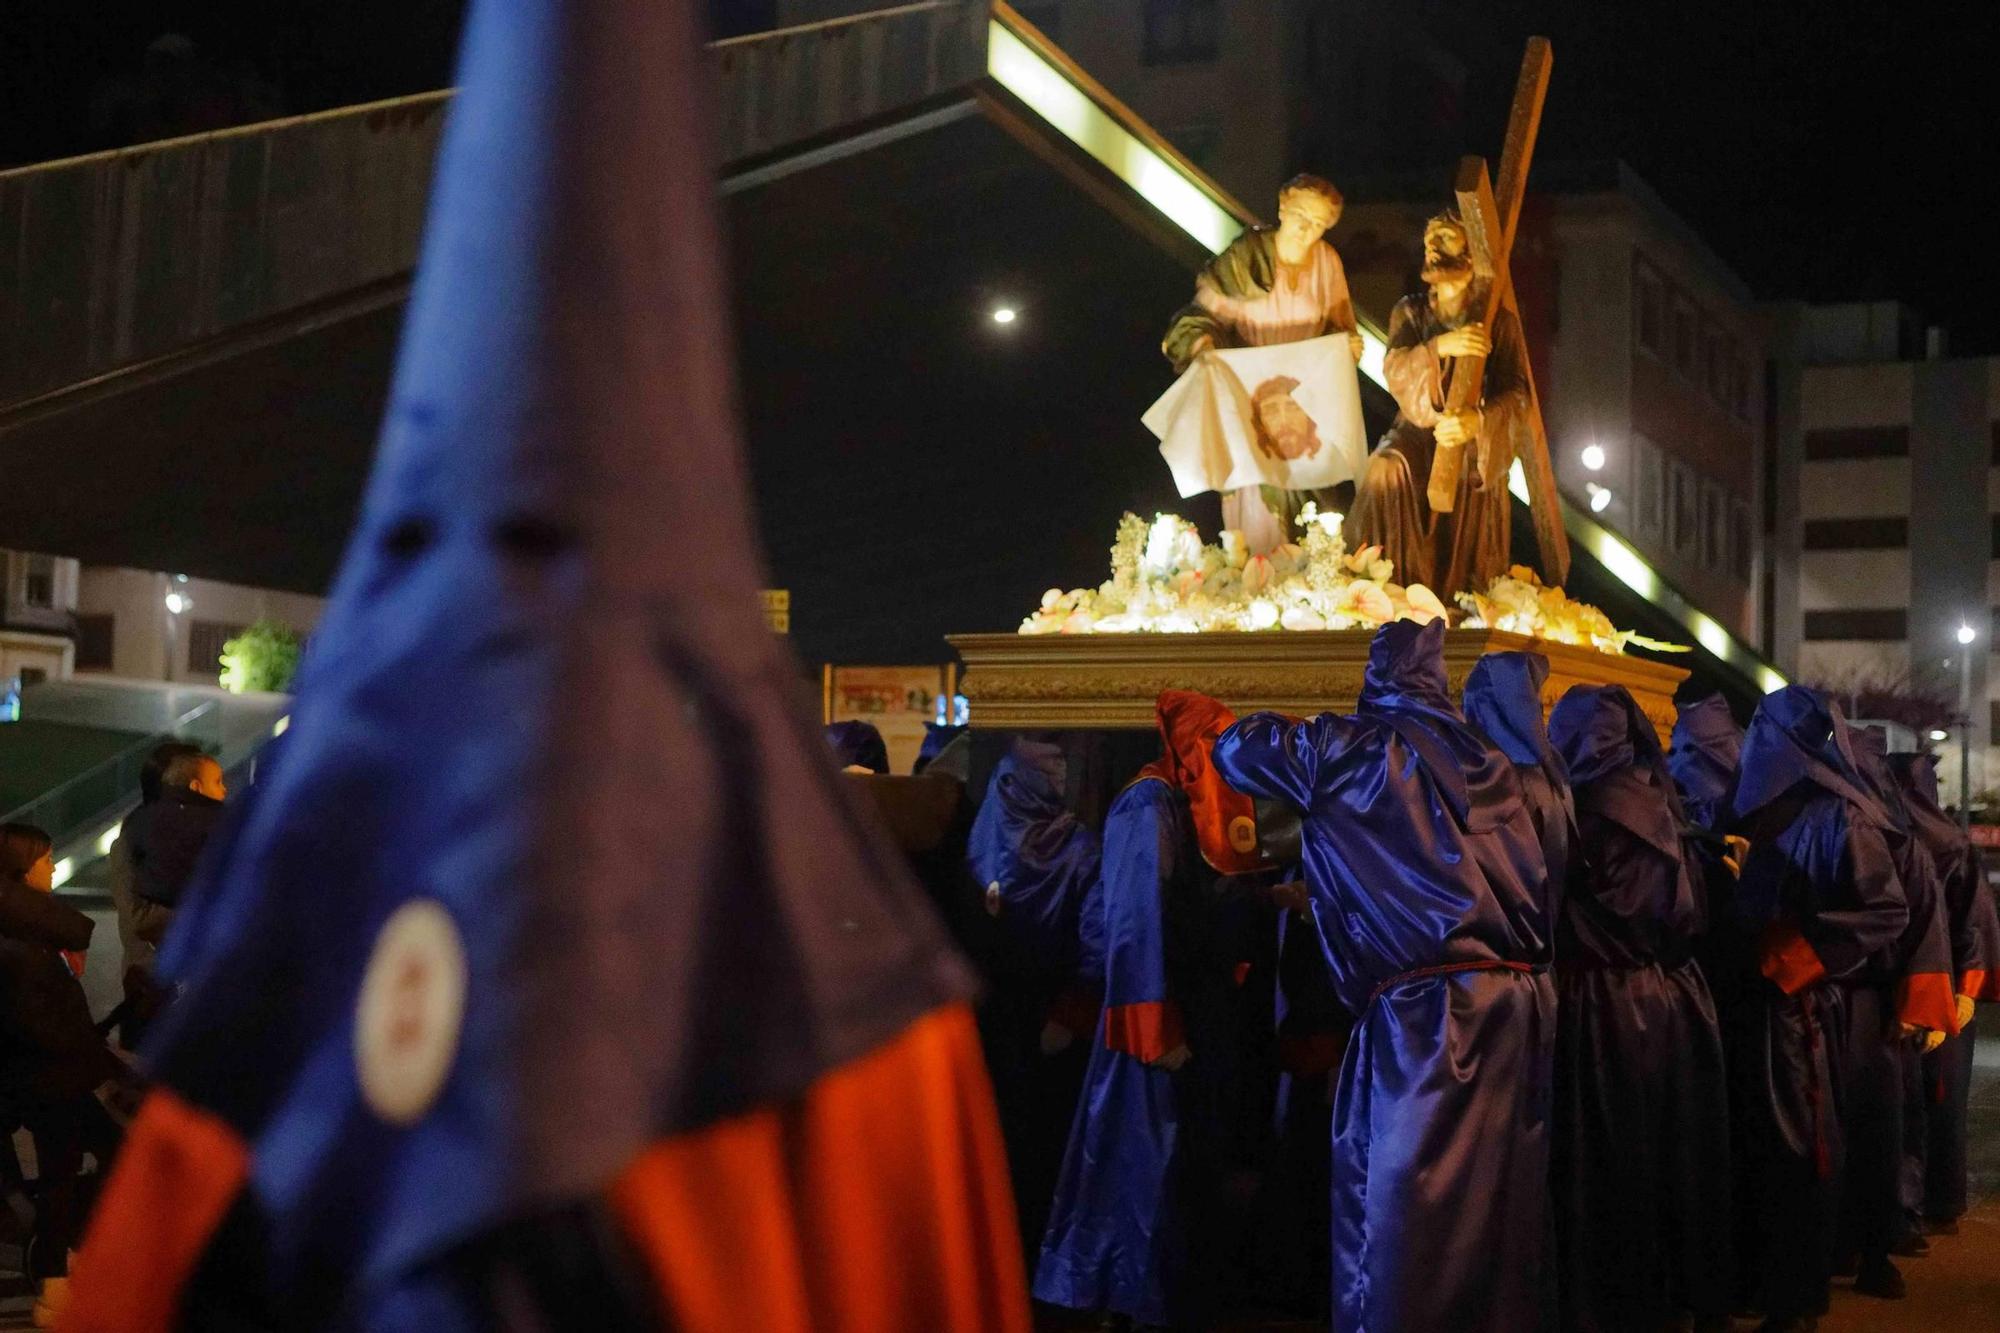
(262, 657)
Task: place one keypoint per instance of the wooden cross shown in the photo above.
(1490, 217)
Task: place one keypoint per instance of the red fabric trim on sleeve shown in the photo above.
(875, 1202)
(1925, 1000)
(1979, 984)
(1787, 960)
(1145, 1031)
(178, 1172)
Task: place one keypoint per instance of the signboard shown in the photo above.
(898, 700)
(777, 609)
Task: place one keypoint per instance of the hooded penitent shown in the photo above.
(555, 939)
(1908, 982)
(1119, 1233)
(858, 745)
(1503, 698)
(1641, 1176)
(1427, 882)
(1819, 886)
(1938, 1173)
(1708, 746)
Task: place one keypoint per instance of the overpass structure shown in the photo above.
(196, 336)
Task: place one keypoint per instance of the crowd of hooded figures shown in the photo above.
(1439, 1016)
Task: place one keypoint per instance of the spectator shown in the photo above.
(136, 916)
(52, 1060)
(28, 908)
(190, 805)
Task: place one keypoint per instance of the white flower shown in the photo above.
(1262, 614)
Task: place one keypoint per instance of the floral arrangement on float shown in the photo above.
(1166, 580)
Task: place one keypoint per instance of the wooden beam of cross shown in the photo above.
(1490, 216)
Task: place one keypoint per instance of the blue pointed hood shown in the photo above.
(937, 738)
(1406, 687)
(858, 745)
(1797, 736)
(1707, 750)
(1503, 698)
(1615, 763)
(543, 713)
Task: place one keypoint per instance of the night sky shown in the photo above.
(1830, 151)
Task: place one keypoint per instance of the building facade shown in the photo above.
(1889, 513)
(59, 617)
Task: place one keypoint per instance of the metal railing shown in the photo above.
(83, 804)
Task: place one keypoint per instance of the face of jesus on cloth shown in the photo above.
(1284, 430)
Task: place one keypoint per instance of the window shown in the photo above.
(1857, 534)
(1739, 540)
(1684, 338)
(205, 640)
(1650, 304)
(1046, 18)
(1714, 527)
(1651, 482)
(1182, 32)
(1858, 442)
(38, 584)
(1683, 508)
(1875, 625)
(94, 637)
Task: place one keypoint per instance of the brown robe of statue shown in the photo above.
(1462, 550)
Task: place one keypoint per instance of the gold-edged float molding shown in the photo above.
(1109, 681)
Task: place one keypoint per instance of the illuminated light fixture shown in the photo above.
(64, 869)
(281, 726)
(1710, 634)
(1966, 634)
(106, 840)
(1046, 90)
(1600, 498)
(1937, 735)
(1593, 457)
(177, 603)
(1004, 314)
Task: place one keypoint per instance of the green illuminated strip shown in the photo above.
(1047, 91)
(1630, 568)
(1161, 182)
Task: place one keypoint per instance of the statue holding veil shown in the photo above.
(1268, 431)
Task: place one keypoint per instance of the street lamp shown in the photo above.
(1593, 457)
(1966, 634)
(176, 603)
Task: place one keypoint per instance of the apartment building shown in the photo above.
(1889, 511)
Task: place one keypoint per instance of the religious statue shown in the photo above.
(1457, 537)
(1282, 284)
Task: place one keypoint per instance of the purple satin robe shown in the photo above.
(1116, 1236)
(1428, 888)
(1641, 1175)
(1938, 1189)
(1820, 886)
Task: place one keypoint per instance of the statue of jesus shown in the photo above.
(1468, 547)
(1272, 285)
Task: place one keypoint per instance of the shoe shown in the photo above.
(1946, 1227)
(1881, 1279)
(1796, 1324)
(51, 1303)
(1912, 1246)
